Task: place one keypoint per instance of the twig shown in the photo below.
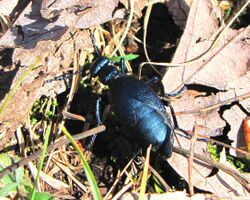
(122, 191)
(117, 180)
(145, 27)
(191, 162)
(160, 179)
(158, 176)
(237, 176)
(61, 141)
(127, 27)
(245, 153)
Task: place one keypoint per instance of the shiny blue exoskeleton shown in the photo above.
(136, 107)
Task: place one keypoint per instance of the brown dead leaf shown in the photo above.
(187, 111)
(138, 5)
(58, 55)
(176, 195)
(179, 10)
(77, 13)
(30, 28)
(224, 182)
(46, 29)
(225, 68)
(218, 68)
(200, 170)
(7, 6)
(200, 12)
(103, 11)
(220, 184)
(46, 20)
(18, 107)
(235, 117)
(51, 9)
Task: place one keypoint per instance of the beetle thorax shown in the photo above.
(108, 74)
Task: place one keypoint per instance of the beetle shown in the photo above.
(136, 106)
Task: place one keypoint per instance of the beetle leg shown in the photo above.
(97, 111)
(91, 139)
(176, 125)
(122, 66)
(166, 98)
(186, 134)
(152, 80)
(175, 95)
(173, 115)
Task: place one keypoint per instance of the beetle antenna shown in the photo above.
(93, 42)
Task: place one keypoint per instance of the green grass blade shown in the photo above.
(91, 179)
(45, 147)
(128, 57)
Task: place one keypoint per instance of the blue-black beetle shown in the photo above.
(136, 107)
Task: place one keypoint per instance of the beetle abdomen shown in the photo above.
(153, 128)
(141, 113)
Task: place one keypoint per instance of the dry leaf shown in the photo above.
(32, 27)
(218, 68)
(49, 40)
(57, 57)
(200, 170)
(225, 68)
(224, 182)
(174, 195)
(18, 107)
(221, 184)
(79, 14)
(179, 10)
(103, 11)
(138, 5)
(235, 117)
(210, 123)
(54, 183)
(7, 6)
(189, 46)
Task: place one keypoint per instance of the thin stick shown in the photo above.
(191, 162)
(117, 180)
(145, 27)
(61, 141)
(246, 154)
(160, 179)
(127, 27)
(235, 174)
(122, 191)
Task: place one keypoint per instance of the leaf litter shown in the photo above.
(224, 69)
(46, 30)
(51, 41)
